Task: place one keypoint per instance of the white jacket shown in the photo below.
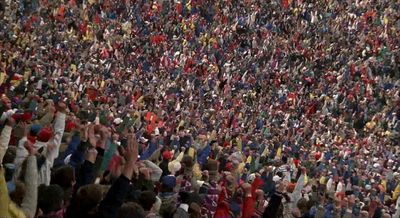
(397, 214)
(45, 170)
(4, 141)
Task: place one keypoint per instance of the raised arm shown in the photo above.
(86, 172)
(116, 195)
(53, 146)
(29, 202)
(4, 199)
(156, 171)
(59, 127)
(5, 137)
(149, 151)
(299, 186)
(397, 214)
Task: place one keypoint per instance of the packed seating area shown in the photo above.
(199, 108)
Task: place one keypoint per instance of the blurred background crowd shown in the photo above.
(199, 108)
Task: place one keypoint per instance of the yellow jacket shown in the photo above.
(396, 192)
(7, 208)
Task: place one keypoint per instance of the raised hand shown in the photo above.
(25, 127)
(131, 152)
(131, 155)
(61, 107)
(29, 147)
(303, 170)
(90, 134)
(84, 129)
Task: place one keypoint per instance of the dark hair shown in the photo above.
(129, 210)
(187, 161)
(185, 197)
(63, 176)
(18, 194)
(147, 199)
(166, 188)
(50, 198)
(88, 197)
(10, 155)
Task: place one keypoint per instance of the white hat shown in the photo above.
(200, 183)
(376, 165)
(156, 132)
(368, 187)
(251, 178)
(67, 159)
(276, 178)
(174, 166)
(143, 139)
(118, 121)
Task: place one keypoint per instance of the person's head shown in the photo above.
(205, 176)
(260, 194)
(50, 198)
(130, 210)
(296, 212)
(167, 155)
(212, 168)
(18, 193)
(364, 213)
(181, 131)
(147, 200)
(194, 210)
(45, 134)
(185, 197)
(64, 177)
(302, 204)
(174, 167)
(168, 183)
(88, 198)
(35, 129)
(187, 162)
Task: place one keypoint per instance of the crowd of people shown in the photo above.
(199, 108)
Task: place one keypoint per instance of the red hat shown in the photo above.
(290, 187)
(167, 155)
(73, 107)
(22, 117)
(44, 135)
(17, 116)
(296, 162)
(69, 126)
(229, 166)
(26, 116)
(317, 155)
